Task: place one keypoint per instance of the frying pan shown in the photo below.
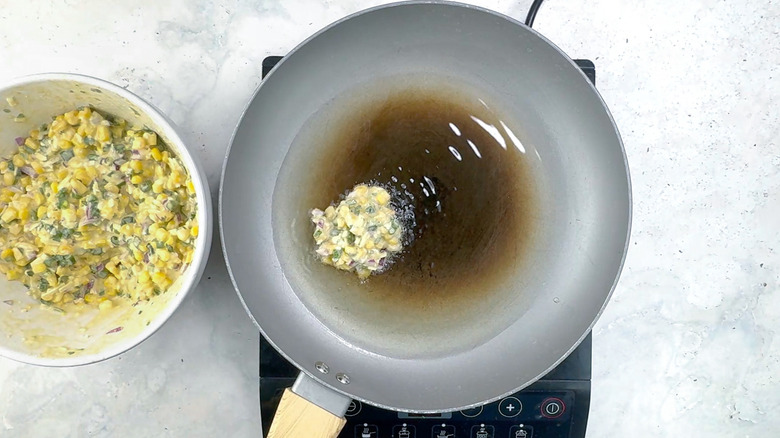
(448, 356)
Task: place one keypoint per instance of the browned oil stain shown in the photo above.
(474, 216)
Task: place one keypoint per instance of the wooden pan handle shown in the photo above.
(297, 417)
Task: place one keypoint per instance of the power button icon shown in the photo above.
(552, 407)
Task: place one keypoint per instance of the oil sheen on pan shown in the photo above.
(461, 184)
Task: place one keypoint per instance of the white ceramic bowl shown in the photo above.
(39, 336)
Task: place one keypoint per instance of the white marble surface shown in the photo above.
(688, 345)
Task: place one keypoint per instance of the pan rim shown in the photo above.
(402, 4)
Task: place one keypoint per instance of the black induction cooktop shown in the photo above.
(556, 406)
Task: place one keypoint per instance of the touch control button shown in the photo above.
(443, 431)
(552, 407)
(366, 431)
(473, 412)
(483, 431)
(510, 407)
(354, 408)
(404, 431)
(521, 431)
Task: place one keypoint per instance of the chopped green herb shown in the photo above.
(66, 155)
(62, 199)
(128, 220)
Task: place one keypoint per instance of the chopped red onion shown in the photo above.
(27, 170)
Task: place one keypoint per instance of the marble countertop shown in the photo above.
(687, 345)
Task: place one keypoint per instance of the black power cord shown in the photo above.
(529, 19)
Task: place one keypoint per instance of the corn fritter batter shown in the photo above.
(93, 212)
(360, 234)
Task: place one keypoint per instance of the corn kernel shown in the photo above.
(72, 117)
(105, 305)
(18, 160)
(68, 134)
(160, 279)
(9, 178)
(136, 165)
(41, 211)
(139, 143)
(163, 255)
(37, 167)
(65, 144)
(13, 274)
(183, 234)
(85, 113)
(136, 179)
(112, 268)
(55, 187)
(92, 172)
(81, 175)
(78, 186)
(38, 265)
(151, 138)
(15, 228)
(31, 143)
(194, 231)
(90, 298)
(24, 214)
(102, 133)
(156, 154)
(157, 186)
(9, 214)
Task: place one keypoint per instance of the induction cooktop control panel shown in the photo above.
(523, 415)
(545, 413)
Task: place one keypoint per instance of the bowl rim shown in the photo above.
(191, 275)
